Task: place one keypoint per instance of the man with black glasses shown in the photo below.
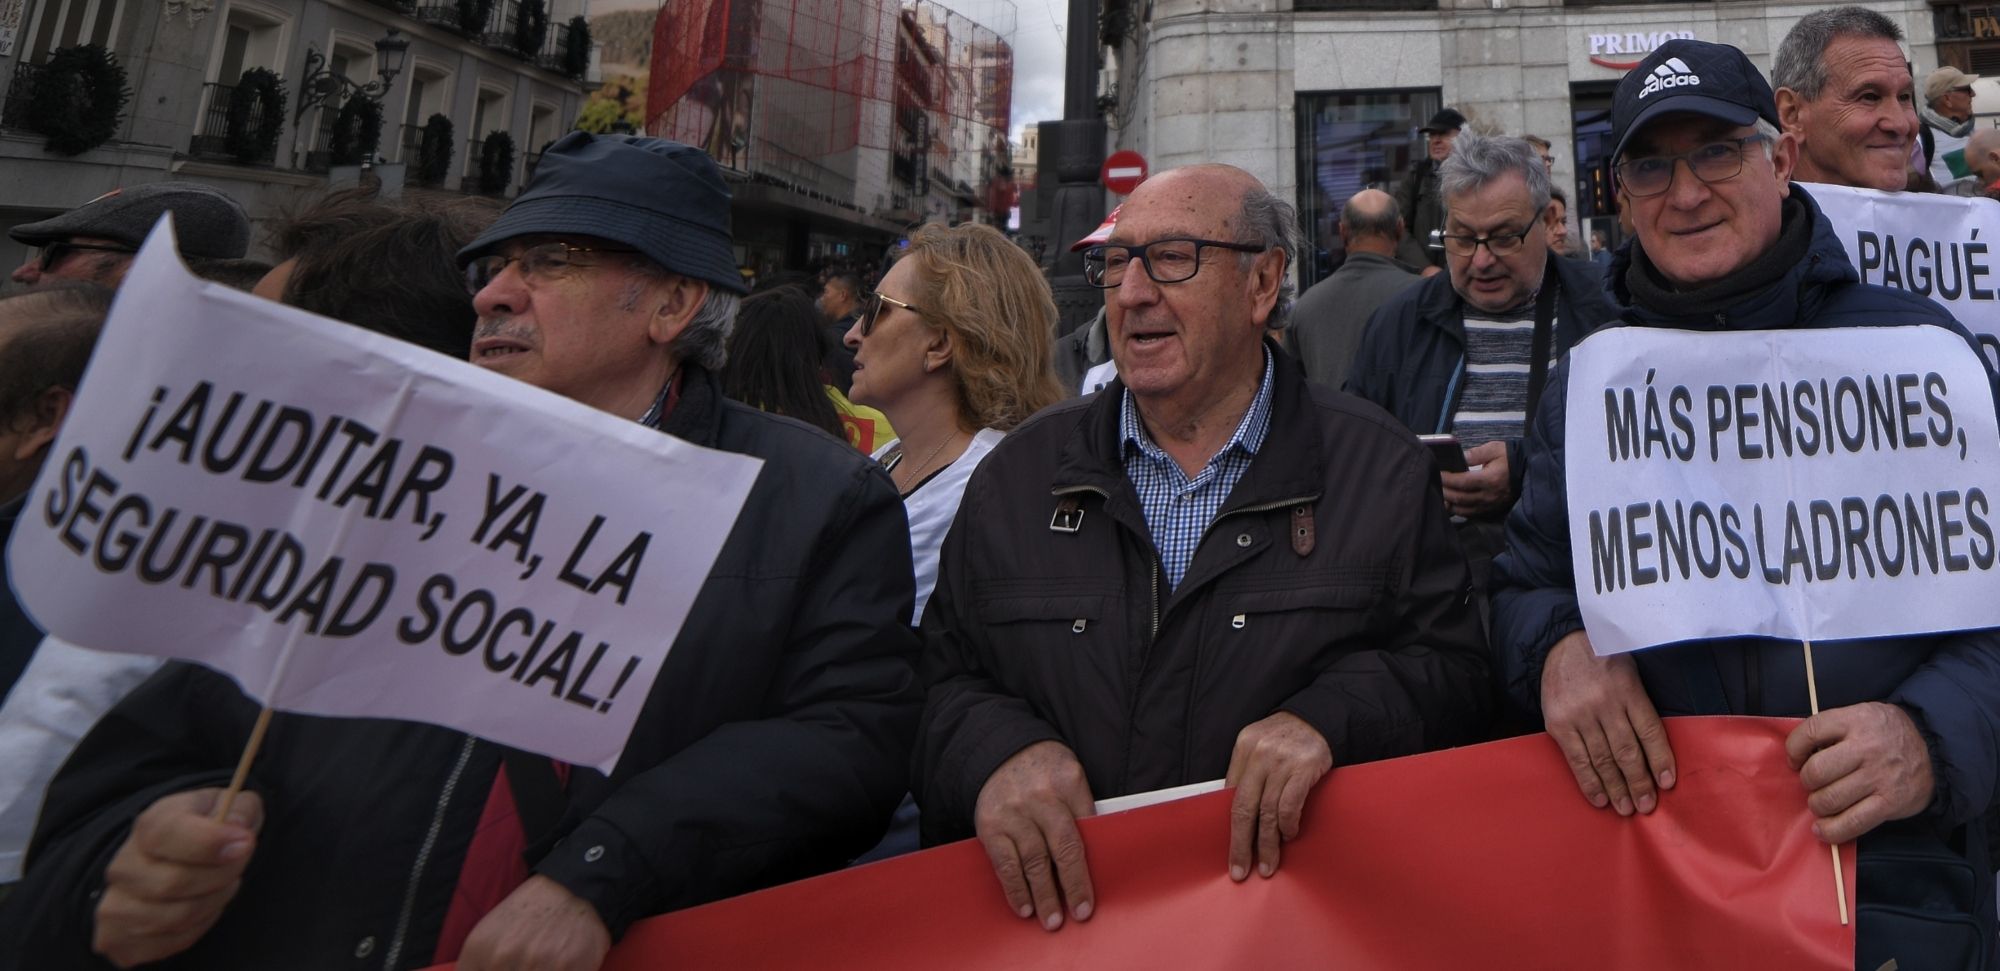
(1904, 756)
(94, 242)
(1466, 353)
(1210, 570)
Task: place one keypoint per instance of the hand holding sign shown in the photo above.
(1864, 765)
(170, 880)
(1598, 712)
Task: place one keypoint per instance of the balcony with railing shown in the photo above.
(438, 13)
(555, 50)
(211, 137)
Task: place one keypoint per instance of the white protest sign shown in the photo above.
(351, 525)
(1806, 484)
(1946, 248)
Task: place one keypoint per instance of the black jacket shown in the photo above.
(772, 747)
(1412, 358)
(1360, 625)
(1926, 883)
(18, 635)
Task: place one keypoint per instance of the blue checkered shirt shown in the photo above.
(1178, 509)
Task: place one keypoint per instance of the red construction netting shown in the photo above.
(785, 85)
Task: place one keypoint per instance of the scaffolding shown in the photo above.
(799, 91)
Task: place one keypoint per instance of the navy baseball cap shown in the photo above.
(1695, 77)
(665, 199)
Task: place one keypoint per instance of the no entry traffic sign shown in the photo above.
(1123, 171)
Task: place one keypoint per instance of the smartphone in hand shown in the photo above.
(1445, 451)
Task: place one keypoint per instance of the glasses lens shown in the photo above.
(1460, 245)
(481, 272)
(869, 312)
(1507, 244)
(1171, 261)
(1093, 266)
(52, 254)
(1718, 161)
(1646, 176)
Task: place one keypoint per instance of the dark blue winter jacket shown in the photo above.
(1927, 883)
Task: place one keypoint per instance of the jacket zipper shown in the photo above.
(424, 854)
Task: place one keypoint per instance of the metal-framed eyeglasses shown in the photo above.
(873, 310)
(1166, 260)
(52, 254)
(1711, 163)
(1498, 244)
(542, 260)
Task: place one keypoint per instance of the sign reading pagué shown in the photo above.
(351, 525)
(1936, 246)
(1813, 484)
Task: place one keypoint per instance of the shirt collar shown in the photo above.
(1249, 435)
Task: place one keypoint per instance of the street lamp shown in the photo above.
(322, 84)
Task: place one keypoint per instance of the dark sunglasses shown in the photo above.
(54, 253)
(874, 310)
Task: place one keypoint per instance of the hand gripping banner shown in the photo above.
(1470, 858)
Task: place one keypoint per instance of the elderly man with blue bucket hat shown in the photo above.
(773, 745)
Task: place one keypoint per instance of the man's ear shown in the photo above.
(1784, 161)
(46, 418)
(675, 300)
(1791, 111)
(1264, 278)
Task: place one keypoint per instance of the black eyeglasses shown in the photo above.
(874, 310)
(1713, 162)
(544, 260)
(1166, 260)
(1498, 244)
(54, 253)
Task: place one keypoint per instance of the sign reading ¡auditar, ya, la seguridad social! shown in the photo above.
(348, 524)
(1804, 484)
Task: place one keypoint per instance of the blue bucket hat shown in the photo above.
(665, 199)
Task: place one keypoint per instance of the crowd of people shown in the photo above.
(987, 578)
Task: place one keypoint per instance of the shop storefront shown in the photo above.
(1352, 84)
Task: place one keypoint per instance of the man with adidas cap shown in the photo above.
(1907, 755)
(774, 744)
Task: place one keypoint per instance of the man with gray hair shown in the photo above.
(1466, 353)
(774, 744)
(1845, 94)
(1210, 569)
(1327, 323)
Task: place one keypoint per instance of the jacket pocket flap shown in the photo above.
(1325, 596)
(1004, 610)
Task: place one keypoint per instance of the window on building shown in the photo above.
(488, 114)
(428, 94)
(249, 38)
(53, 24)
(1349, 141)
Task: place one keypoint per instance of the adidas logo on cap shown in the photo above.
(1672, 74)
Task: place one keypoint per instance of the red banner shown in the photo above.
(1476, 857)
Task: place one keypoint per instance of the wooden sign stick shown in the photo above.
(257, 741)
(1839, 879)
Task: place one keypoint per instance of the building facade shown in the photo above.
(1322, 98)
(841, 124)
(471, 62)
